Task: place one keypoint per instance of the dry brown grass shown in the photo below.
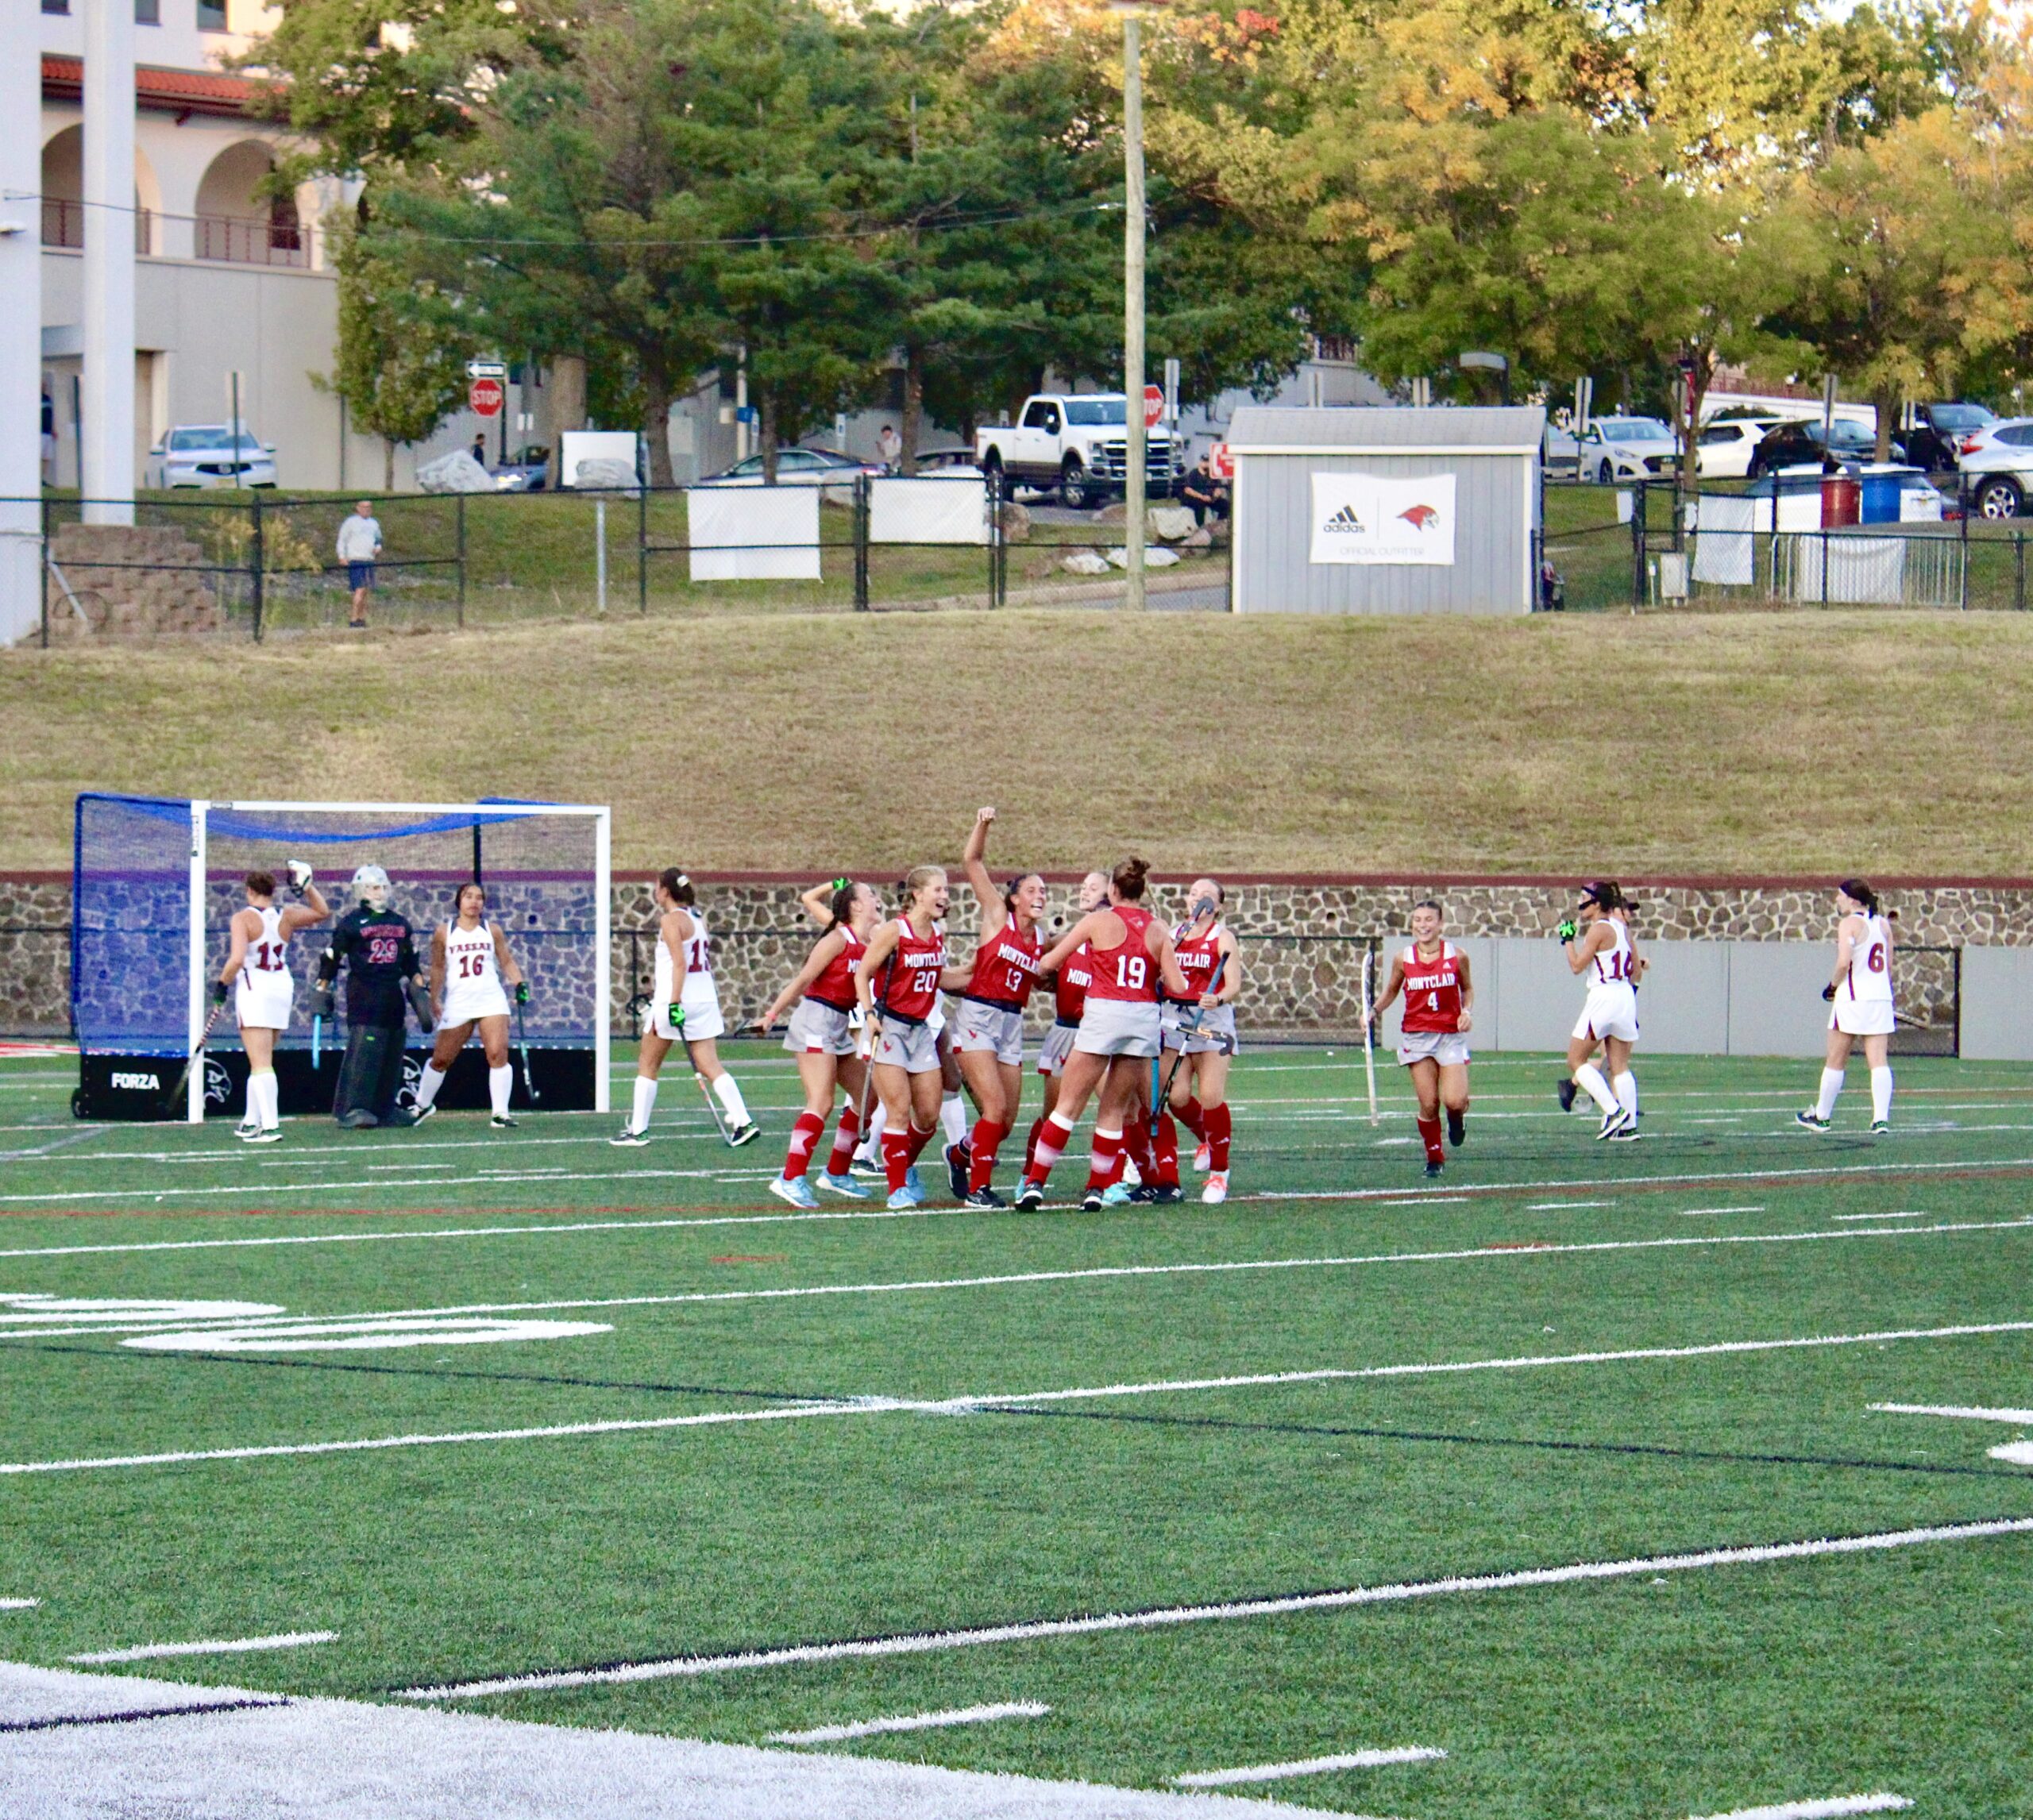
(1690, 745)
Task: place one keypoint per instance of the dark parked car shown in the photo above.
(1936, 440)
(524, 472)
(1800, 446)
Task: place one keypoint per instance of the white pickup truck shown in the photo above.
(1078, 443)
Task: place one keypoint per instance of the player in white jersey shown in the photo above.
(469, 960)
(1599, 948)
(684, 1003)
(1861, 997)
(257, 972)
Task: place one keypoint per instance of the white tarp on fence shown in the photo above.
(1725, 550)
(927, 511)
(753, 533)
(1861, 570)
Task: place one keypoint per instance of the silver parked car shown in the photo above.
(1997, 467)
(209, 455)
(833, 473)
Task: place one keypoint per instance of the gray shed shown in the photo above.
(1385, 511)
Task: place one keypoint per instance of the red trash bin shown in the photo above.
(1842, 501)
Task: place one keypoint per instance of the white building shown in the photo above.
(228, 283)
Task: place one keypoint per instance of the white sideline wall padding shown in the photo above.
(1776, 1006)
(753, 533)
(1997, 1004)
(927, 511)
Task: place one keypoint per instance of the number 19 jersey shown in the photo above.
(1126, 973)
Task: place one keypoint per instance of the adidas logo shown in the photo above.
(1345, 520)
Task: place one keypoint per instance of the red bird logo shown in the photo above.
(1420, 518)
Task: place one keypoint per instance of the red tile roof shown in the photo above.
(171, 91)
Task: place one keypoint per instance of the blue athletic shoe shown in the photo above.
(843, 1186)
(795, 1190)
(909, 1195)
(914, 1182)
(1117, 1194)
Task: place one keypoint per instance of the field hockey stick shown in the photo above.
(1186, 1030)
(183, 1074)
(1369, 1029)
(523, 1050)
(713, 1106)
(316, 1039)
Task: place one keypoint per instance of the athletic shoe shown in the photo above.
(1091, 1201)
(906, 1196)
(1167, 1194)
(502, 1122)
(248, 1132)
(868, 1168)
(424, 1113)
(1203, 1159)
(1433, 1170)
(986, 1199)
(1030, 1196)
(1457, 1128)
(1216, 1189)
(795, 1190)
(914, 1182)
(267, 1133)
(1810, 1121)
(358, 1119)
(1118, 1194)
(1613, 1122)
(401, 1119)
(959, 1159)
(1143, 1194)
(843, 1186)
(1565, 1093)
(1881, 1128)
(1627, 1132)
(742, 1134)
(628, 1138)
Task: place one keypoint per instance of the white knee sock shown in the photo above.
(263, 1100)
(427, 1089)
(645, 1103)
(953, 1118)
(1588, 1078)
(499, 1081)
(1624, 1086)
(729, 1096)
(878, 1122)
(1831, 1085)
(1880, 1093)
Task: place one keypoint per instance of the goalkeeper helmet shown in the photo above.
(371, 883)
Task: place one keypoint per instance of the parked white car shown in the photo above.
(835, 474)
(1628, 448)
(1723, 449)
(1997, 467)
(209, 455)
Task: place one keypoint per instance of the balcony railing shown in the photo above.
(242, 241)
(64, 225)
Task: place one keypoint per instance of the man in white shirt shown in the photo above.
(359, 543)
(890, 445)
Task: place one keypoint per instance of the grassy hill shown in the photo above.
(1806, 743)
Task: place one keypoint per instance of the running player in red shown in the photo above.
(897, 982)
(1201, 1032)
(991, 1040)
(1069, 982)
(1129, 959)
(824, 1037)
(1440, 998)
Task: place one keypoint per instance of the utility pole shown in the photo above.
(108, 456)
(1132, 301)
(21, 351)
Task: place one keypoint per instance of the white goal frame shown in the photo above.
(601, 817)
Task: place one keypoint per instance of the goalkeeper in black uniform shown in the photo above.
(375, 943)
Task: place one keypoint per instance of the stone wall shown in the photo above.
(1302, 943)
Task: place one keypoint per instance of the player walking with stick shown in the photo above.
(470, 962)
(1598, 947)
(1440, 999)
(1860, 1006)
(1200, 1036)
(258, 964)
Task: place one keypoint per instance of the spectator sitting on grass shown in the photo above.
(359, 543)
(1205, 493)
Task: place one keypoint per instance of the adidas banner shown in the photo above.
(1367, 518)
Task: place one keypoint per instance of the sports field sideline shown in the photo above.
(1683, 1478)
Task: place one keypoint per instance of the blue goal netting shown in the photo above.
(132, 903)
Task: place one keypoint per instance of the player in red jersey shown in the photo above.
(1440, 1000)
(898, 983)
(1129, 959)
(1070, 981)
(990, 1038)
(1200, 1031)
(823, 1037)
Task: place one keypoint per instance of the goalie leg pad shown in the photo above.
(356, 1102)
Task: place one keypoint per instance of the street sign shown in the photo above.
(487, 369)
(485, 396)
(1171, 391)
(1222, 463)
(1154, 406)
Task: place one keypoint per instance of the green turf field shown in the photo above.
(842, 1426)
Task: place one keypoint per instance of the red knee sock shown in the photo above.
(1165, 1157)
(804, 1139)
(844, 1139)
(1107, 1155)
(1031, 1142)
(919, 1139)
(1047, 1145)
(1215, 1128)
(1429, 1135)
(896, 1154)
(989, 1134)
(1194, 1117)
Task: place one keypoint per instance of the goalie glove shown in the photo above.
(420, 1004)
(1828, 991)
(220, 988)
(521, 992)
(320, 999)
(1567, 930)
(300, 875)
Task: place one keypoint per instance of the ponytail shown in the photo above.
(1607, 895)
(673, 881)
(1858, 890)
(841, 904)
(1128, 878)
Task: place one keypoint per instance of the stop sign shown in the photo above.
(1221, 462)
(485, 395)
(1154, 406)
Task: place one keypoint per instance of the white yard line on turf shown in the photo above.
(1565, 1206)
(918, 1643)
(19, 1604)
(1918, 1213)
(235, 1646)
(968, 1405)
(1689, 1213)
(1309, 1766)
(1962, 1412)
(1837, 1808)
(914, 1723)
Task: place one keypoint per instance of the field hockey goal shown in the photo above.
(155, 881)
